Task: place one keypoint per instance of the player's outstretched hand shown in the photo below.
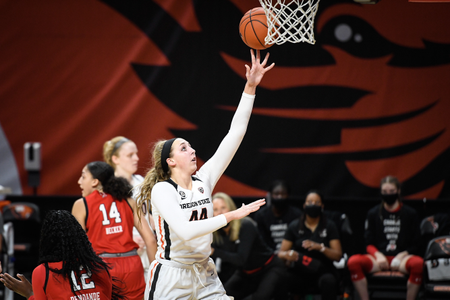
(258, 69)
(244, 210)
(21, 286)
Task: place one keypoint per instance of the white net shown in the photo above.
(290, 20)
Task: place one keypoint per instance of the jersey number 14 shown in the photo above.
(113, 214)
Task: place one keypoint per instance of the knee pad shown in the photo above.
(358, 265)
(414, 266)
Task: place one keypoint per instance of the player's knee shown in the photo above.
(414, 266)
(358, 265)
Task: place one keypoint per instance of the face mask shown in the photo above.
(389, 198)
(313, 210)
(280, 203)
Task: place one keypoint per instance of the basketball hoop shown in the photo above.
(290, 20)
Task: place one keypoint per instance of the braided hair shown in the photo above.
(64, 240)
(119, 188)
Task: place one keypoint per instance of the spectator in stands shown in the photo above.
(274, 218)
(393, 241)
(309, 247)
(257, 272)
(68, 266)
(121, 153)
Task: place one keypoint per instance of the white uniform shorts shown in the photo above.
(171, 280)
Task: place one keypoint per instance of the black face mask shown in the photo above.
(313, 210)
(389, 198)
(280, 204)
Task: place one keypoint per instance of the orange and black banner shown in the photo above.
(371, 98)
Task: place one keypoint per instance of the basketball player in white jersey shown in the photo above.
(183, 210)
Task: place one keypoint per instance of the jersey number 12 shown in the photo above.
(84, 284)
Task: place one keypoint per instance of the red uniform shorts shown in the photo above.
(130, 271)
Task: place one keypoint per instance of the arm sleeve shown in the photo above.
(289, 234)
(264, 233)
(371, 249)
(165, 199)
(217, 164)
(38, 279)
(369, 233)
(332, 231)
(247, 235)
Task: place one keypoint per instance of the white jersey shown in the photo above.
(184, 218)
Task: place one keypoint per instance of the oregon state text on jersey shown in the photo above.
(187, 244)
(184, 218)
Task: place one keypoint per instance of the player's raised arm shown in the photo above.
(256, 72)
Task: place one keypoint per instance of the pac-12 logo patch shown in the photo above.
(201, 190)
(182, 194)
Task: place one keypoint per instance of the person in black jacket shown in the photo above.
(309, 247)
(258, 274)
(274, 218)
(392, 237)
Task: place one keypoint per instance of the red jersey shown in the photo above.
(109, 224)
(52, 286)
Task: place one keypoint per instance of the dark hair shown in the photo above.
(323, 218)
(318, 192)
(118, 187)
(64, 240)
(279, 182)
(165, 154)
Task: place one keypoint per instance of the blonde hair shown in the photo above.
(110, 149)
(154, 175)
(235, 225)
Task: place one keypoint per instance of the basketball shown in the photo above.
(253, 28)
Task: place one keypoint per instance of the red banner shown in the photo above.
(369, 99)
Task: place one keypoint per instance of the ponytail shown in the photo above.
(117, 187)
(155, 175)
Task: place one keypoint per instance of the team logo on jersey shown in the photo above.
(201, 190)
(391, 246)
(444, 244)
(323, 233)
(182, 194)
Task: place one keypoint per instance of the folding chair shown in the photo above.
(8, 256)
(387, 285)
(436, 273)
(26, 221)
